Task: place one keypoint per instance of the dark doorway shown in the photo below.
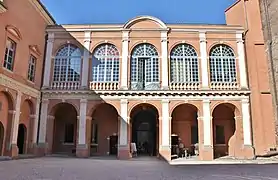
(21, 138)
(113, 145)
(1, 138)
(144, 131)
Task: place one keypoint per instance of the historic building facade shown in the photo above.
(22, 37)
(106, 86)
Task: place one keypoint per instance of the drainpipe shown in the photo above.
(246, 18)
(269, 47)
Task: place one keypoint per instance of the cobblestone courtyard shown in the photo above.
(51, 168)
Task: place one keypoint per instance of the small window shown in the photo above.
(69, 133)
(220, 135)
(9, 54)
(194, 134)
(94, 139)
(32, 68)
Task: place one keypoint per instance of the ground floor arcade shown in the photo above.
(208, 128)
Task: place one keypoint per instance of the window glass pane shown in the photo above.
(184, 64)
(9, 54)
(105, 64)
(222, 64)
(67, 64)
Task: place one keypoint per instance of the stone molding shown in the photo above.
(42, 11)
(19, 87)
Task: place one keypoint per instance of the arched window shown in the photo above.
(184, 64)
(222, 64)
(67, 64)
(144, 68)
(105, 64)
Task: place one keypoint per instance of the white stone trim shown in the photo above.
(36, 122)
(247, 135)
(241, 61)
(15, 121)
(86, 56)
(207, 123)
(48, 60)
(124, 120)
(204, 60)
(42, 11)
(43, 121)
(125, 60)
(82, 122)
(17, 86)
(164, 60)
(165, 123)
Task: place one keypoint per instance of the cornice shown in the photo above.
(44, 13)
(10, 83)
(141, 95)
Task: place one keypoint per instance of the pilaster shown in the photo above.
(164, 60)
(204, 60)
(86, 56)
(48, 60)
(165, 148)
(124, 64)
(41, 148)
(241, 61)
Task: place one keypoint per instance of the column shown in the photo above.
(246, 123)
(82, 147)
(15, 124)
(207, 152)
(35, 124)
(204, 60)
(124, 64)
(43, 123)
(48, 60)
(165, 149)
(241, 61)
(124, 122)
(86, 56)
(164, 60)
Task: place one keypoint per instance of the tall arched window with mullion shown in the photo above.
(144, 68)
(222, 64)
(67, 64)
(105, 65)
(184, 64)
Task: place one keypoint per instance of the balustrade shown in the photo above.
(185, 86)
(104, 86)
(224, 85)
(65, 85)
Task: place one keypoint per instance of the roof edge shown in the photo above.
(231, 6)
(45, 12)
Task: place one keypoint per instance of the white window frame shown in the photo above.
(8, 50)
(32, 64)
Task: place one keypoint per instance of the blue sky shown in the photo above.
(120, 11)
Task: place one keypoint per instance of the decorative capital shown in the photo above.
(206, 101)
(87, 41)
(164, 39)
(124, 101)
(12, 112)
(83, 100)
(125, 39)
(45, 101)
(50, 117)
(165, 101)
(245, 101)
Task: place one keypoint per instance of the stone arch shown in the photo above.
(14, 31)
(64, 128)
(27, 110)
(184, 129)
(7, 112)
(75, 44)
(103, 43)
(144, 128)
(53, 108)
(235, 107)
(225, 128)
(185, 103)
(22, 139)
(140, 103)
(91, 111)
(222, 43)
(104, 130)
(176, 44)
(142, 18)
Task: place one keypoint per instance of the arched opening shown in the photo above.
(144, 131)
(223, 129)
(6, 114)
(21, 139)
(65, 129)
(184, 128)
(25, 119)
(2, 133)
(104, 130)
